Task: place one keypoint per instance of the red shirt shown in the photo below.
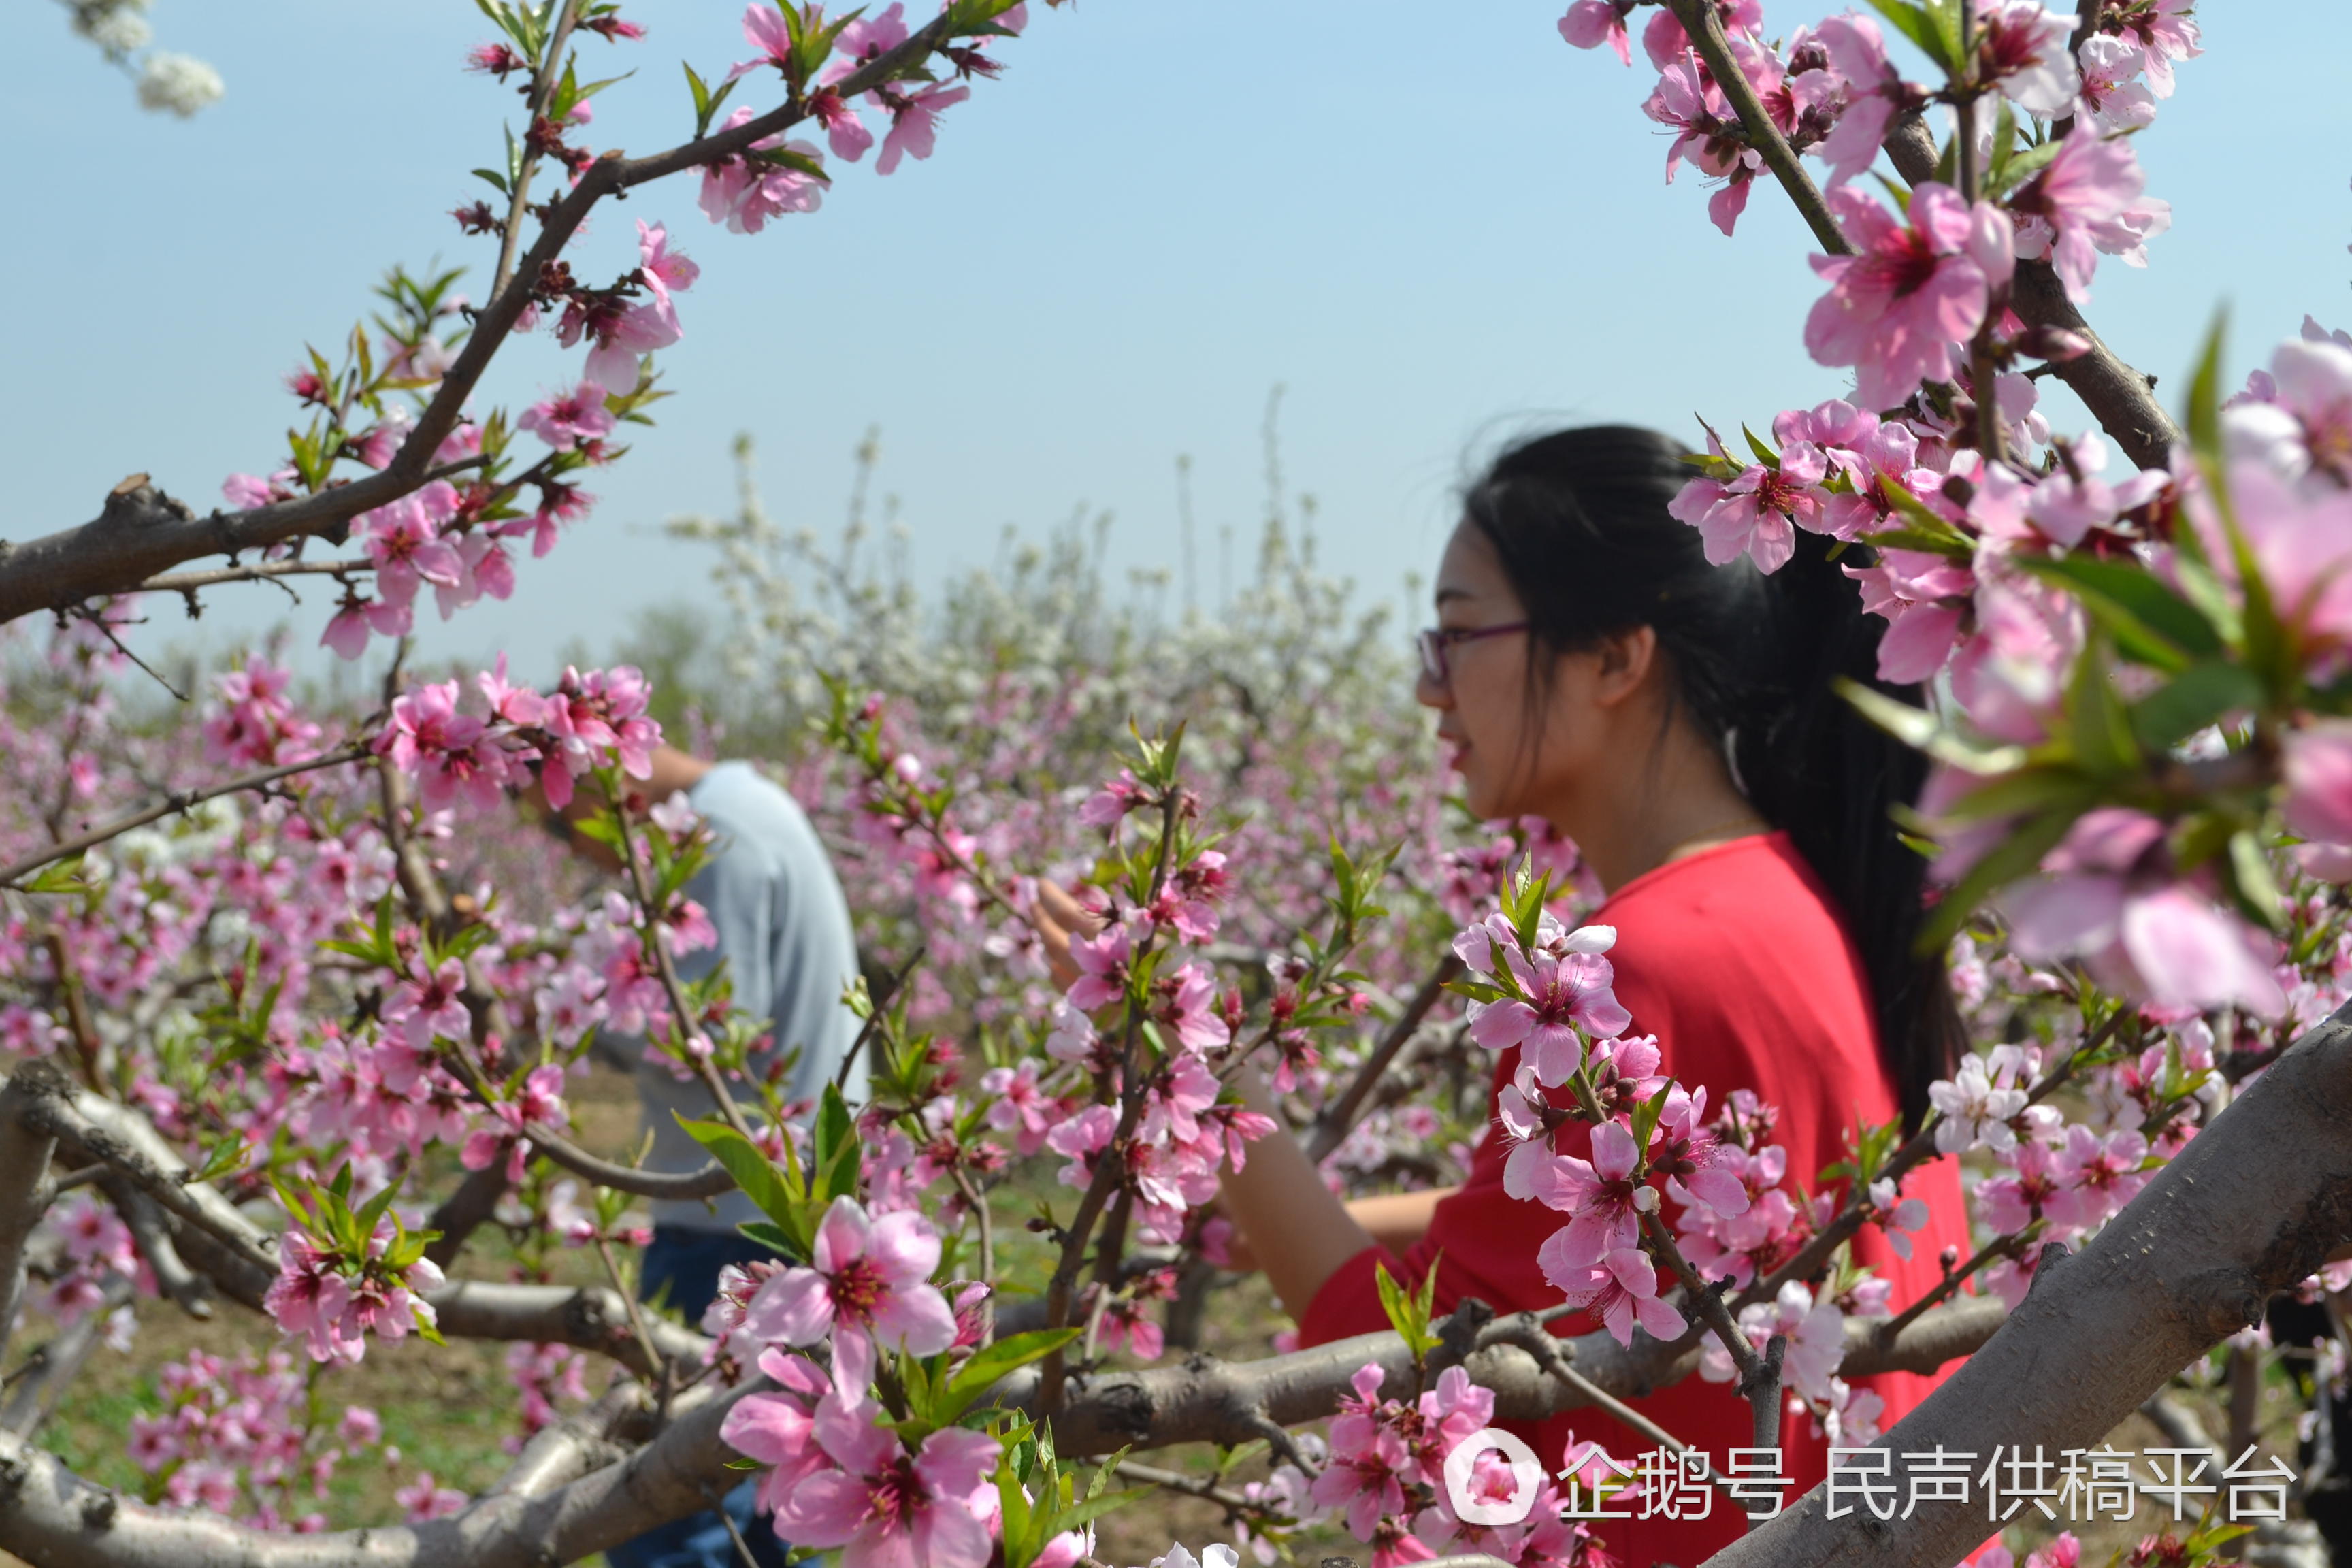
(1736, 959)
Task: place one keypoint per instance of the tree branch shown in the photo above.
(1332, 1127)
(2120, 398)
(463, 1211)
(154, 1168)
(51, 1370)
(1209, 1401)
(590, 1317)
(140, 532)
(24, 1192)
(170, 804)
(709, 1182)
(1705, 28)
(153, 1236)
(260, 572)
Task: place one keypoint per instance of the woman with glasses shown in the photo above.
(1678, 719)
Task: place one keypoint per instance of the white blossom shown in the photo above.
(179, 83)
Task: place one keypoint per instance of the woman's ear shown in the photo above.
(1624, 664)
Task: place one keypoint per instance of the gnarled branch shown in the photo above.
(1204, 1400)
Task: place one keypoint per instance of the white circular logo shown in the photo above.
(1527, 1479)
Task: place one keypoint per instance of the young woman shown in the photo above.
(1678, 721)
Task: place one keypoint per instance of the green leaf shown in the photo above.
(990, 1362)
(2204, 416)
(2026, 790)
(57, 876)
(2016, 170)
(1646, 1120)
(2015, 857)
(838, 1160)
(1923, 518)
(753, 1173)
(1408, 1310)
(2150, 621)
(2004, 143)
(222, 1157)
(1919, 728)
(1914, 23)
(1083, 1514)
(2200, 695)
(2202, 588)
(2269, 650)
(1946, 14)
(800, 163)
(2098, 724)
(768, 1234)
(497, 180)
(1941, 541)
(2252, 885)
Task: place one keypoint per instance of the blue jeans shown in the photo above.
(688, 1262)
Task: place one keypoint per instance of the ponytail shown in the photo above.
(1832, 779)
(1578, 520)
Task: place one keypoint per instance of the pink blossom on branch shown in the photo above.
(666, 272)
(887, 1508)
(1563, 987)
(914, 125)
(866, 1279)
(2086, 200)
(1592, 23)
(745, 193)
(2026, 51)
(1900, 308)
(566, 420)
(1757, 513)
(1924, 597)
(1621, 1289)
(2108, 895)
(2113, 98)
(1873, 94)
(2318, 774)
(2164, 31)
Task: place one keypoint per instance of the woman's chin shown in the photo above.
(1484, 800)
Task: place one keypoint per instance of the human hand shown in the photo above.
(1059, 917)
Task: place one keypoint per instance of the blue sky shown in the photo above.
(1432, 225)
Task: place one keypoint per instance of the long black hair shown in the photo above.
(1577, 518)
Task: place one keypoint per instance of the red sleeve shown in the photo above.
(1349, 1304)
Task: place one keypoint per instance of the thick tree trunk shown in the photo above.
(2252, 1206)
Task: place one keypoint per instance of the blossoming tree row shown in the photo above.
(276, 1052)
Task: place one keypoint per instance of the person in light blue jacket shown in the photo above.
(784, 933)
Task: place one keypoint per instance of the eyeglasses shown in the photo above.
(1434, 641)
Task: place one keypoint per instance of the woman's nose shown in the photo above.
(1431, 693)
